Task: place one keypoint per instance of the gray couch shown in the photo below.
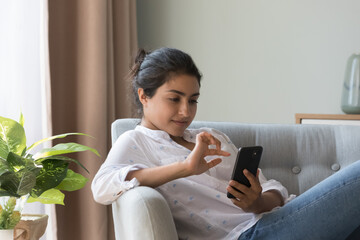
(299, 156)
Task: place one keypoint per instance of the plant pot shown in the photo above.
(31, 227)
(7, 234)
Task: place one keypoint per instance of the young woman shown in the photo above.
(192, 168)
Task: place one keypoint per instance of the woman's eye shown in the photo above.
(193, 101)
(174, 99)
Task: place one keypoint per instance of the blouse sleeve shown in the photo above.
(109, 182)
(273, 185)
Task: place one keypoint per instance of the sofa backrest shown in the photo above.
(299, 156)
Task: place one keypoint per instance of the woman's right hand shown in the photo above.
(195, 162)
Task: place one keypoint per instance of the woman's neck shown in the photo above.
(181, 141)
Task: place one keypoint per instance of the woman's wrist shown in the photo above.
(184, 169)
(267, 201)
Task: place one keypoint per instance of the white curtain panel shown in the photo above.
(24, 77)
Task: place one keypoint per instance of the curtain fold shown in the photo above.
(91, 44)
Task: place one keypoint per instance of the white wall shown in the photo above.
(262, 61)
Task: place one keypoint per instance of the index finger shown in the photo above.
(209, 139)
(254, 181)
(214, 141)
(217, 152)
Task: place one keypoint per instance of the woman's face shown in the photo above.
(173, 107)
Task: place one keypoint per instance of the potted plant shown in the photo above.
(27, 176)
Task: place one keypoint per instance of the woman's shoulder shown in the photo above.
(132, 133)
(130, 136)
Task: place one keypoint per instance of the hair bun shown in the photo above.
(140, 56)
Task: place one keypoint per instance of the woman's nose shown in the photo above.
(184, 109)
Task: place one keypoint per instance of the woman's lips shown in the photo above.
(180, 123)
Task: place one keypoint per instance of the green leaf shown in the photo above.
(9, 217)
(51, 196)
(64, 148)
(9, 182)
(72, 182)
(12, 137)
(61, 158)
(4, 193)
(17, 175)
(4, 166)
(27, 180)
(19, 183)
(51, 175)
(54, 137)
(21, 120)
(17, 162)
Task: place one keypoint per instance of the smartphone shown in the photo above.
(247, 158)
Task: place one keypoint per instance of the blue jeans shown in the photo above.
(329, 210)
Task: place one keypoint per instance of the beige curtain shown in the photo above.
(91, 44)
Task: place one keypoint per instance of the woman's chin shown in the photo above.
(177, 132)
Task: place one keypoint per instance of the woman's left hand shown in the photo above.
(250, 198)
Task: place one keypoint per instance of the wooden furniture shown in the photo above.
(333, 119)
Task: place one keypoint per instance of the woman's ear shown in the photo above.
(142, 96)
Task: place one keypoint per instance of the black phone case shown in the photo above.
(247, 158)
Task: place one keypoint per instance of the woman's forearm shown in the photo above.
(194, 164)
(269, 200)
(156, 176)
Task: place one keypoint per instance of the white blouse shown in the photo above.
(199, 204)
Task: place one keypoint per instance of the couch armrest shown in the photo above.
(143, 213)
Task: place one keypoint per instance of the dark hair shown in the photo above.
(152, 69)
